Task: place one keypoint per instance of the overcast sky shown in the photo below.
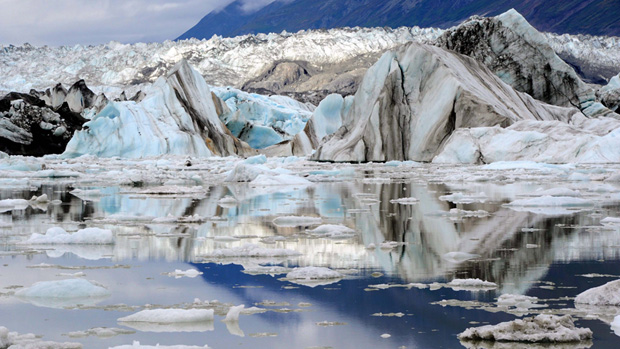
(70, 22)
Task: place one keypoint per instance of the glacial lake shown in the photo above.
(167, 216)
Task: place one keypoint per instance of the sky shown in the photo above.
(91, 22)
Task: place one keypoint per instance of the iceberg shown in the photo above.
(178, 116)
(415, 97)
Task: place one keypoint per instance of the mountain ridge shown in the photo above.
(571, 16)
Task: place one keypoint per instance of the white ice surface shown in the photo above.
(539, 329)
(58, 236)
(170, 316)
(607, 294)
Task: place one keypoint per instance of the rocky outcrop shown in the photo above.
(177, 117)
(28, 126)
(521, 57)
(413, 99)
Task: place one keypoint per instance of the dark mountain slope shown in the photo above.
(594, 17)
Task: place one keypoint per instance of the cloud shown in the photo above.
(70, 22)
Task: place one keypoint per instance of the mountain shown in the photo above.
(594, 17)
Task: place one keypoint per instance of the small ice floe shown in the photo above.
(265, 270)
(297, 221)
(459, 257)
(390, 245)
(267, 180)
(520, 302)
(59, 236)
(170, 320)
(407, 286)
(566, 192)
(225, 239)
(471, 285)
(252, 250)
(610, 221)
(63, 293)
(138, 345)
(607, 294)
(175, 190)
(233, 313)
(531, 246)
(313, 276)
(540, 329)
(13, 204)
(227, 202)
(461, 198)
(330, 323)
(30, 340)
(87, 194)
(550, 205)
(170, 219)
(405, 201)
(386, 335)
(101, 332)
(615, 325)
(456, 213)
(388, 314)
(334, 231)
(178, 273)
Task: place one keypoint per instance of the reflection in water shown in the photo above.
(425, 231)
(516, 249)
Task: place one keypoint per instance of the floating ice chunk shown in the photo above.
(615, 325)
(471, 285)
(280, 179)
(252, 250)
(243, 172)
(227, 202)
(525, 165)
(610, 221)
(190, 273)
(233, 313)
(58, 236)
(522, 303)
(43, 199)
(460, 198)
(608, 294)
(225, 239)
(542, 328)
(137, 345)
(313, 273)
(456, 213)
(87, 194)
(174, 190)
(62, 293)
(31, 341)
(531, 246)
(256, 160)
(167, 316)
(550, 204)
(386, 335)
(297, 221)
(558, 192)
(405, 201)
(13, 204)
(333, 230)
(459, 257)
(101, 332)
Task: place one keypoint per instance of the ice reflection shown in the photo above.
(425, 232)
